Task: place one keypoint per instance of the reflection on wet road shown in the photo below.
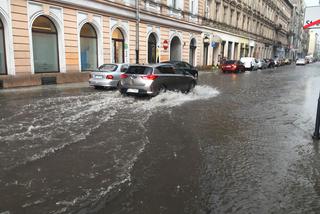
(237, 144)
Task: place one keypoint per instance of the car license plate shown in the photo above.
(132, 90)
(98, 76)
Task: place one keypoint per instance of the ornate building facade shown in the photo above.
(65, 38)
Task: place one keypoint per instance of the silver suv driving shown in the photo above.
(153, 79)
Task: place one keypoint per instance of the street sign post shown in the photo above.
(312, 17)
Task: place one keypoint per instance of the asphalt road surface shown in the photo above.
(239, 143)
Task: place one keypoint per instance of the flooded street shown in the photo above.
(239, 143)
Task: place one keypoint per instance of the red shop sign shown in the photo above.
(165, 44)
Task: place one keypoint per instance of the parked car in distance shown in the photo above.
(287, 61)
(153, 79)
(250, 63)
(232, 66)
(301, 61)
(278, 62)
(270, 63)
(107, 75)
(184, 66)
(262, 64)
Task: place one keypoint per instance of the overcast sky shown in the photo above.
(311, 2)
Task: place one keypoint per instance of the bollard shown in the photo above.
(316, 134)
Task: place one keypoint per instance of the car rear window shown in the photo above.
(166, 70)
(139, 70)
(108, 67)
(229, 62)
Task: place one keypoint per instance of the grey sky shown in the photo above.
(311, 2)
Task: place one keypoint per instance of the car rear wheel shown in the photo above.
(162, 89)
(122, 91)
(192, 86)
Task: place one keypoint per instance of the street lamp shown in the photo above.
(137, 30)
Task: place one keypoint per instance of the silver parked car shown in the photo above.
(301, 61)
(250, 63)
(153, 79)
(108, 75)
(262, 64)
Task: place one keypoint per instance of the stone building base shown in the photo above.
(42, 79)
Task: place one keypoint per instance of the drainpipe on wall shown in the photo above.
(137, 30)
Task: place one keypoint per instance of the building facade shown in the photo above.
(297, 32)
(63, 39)
(313, 44)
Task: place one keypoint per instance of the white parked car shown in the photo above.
(250, 63)
(301, 61)
(107, 75)
(262, 64)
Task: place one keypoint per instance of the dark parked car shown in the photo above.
(185, 66)
(270, 63)
(233, 66)
(153, 79)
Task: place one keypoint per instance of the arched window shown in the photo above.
(3, 67)
(192, 52)
(45, 46)
(175, 49)
(118, 46)
(152, 49)
(89, 50)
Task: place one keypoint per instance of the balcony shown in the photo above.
(278, 27)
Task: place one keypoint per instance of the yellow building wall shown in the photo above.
(106, 39)
(71, 40)
(164, 35)
(21, 37)
(143, 46)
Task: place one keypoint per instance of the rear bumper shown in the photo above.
(104, 82)
(229, 69)
(139, 91)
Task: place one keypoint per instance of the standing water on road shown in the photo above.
(66, 148)
(244, 149)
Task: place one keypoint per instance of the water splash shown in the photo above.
(52, 124)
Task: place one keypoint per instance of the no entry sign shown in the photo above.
(312, 17)
(165, 44)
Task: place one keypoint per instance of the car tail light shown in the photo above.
(150, 77)
(123, 76)
(234, 66)
(109, 77)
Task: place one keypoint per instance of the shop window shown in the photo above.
(192, 52)
(118, 46)
(45, 46)
(152, 49)
(3, 68)
(89, 50)
(175, 49)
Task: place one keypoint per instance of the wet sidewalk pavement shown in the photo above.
(244, 149)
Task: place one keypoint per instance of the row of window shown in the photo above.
(238, 19)
(45, 46)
